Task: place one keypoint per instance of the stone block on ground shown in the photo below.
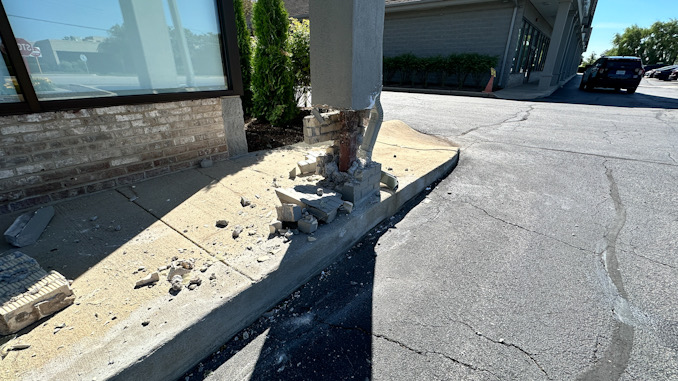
(28, 227)
(307, 166)
(323, 207)
(289, 212)
(308, 224)
(28, 293)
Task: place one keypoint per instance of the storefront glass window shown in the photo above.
(83, 48)
(9, 86)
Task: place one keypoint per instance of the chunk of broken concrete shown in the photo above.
(237, 230)
(177, 282)
(149, 279)
(308, 225)
(274, 226)
(28, 227)
(347, 207)
(289, 212)
(28, 293)
(324, 207)
(179, 267)
(244, 201)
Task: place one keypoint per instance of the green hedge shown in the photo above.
(411, 69)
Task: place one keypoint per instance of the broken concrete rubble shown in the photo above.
(274, 226)
(149, 279)
(308, 224)
(28, 227)
(289, 212)
(28, 293)
(324, 207)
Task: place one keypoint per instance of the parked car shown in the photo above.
(617, 72)
(674, 75)
(664, 72)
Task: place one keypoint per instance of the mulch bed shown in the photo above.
(263, 135)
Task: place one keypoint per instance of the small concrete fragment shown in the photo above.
(308, 224)
(28, 227)
(389, 180)
(274, 226)
(237, 230)
(347, 207)
(180, 268)
(294, 173)
(289, 213)
(149, 279)
(28, 293)
(177, 282)
(244, 201)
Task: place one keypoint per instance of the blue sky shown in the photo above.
(613, 16)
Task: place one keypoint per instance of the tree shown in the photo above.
(658, 43)
(662, 42)
(590, 59)
(272, 81)
(245, 49)
(299, 42)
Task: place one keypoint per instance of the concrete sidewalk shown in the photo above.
(108, 241)
(523, 92)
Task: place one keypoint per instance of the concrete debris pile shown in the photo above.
(181, 273)
(28, 293)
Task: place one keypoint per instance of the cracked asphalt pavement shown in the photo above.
(549, 253)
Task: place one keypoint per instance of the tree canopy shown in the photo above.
(656, 44)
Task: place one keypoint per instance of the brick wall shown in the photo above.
(51, 156)
(316, 131)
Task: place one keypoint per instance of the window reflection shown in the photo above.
(81, 48)
(9, 86)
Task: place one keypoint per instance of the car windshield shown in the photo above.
(622, 64)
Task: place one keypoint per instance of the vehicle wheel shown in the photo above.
(631, 90)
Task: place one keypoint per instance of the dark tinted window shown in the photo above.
(622, 64)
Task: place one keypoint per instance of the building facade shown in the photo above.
(535, 41)
(111, 93)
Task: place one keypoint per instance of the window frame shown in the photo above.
(31, 104)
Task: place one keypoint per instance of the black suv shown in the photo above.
(617, 72)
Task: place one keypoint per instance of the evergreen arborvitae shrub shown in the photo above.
(245, 49)
(272, 79)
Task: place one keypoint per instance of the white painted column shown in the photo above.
(149, 43)
(555, 45)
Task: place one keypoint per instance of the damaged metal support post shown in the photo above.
(372, 130)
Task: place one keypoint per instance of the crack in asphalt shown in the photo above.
(411, 349)
(659, 115)
(607, 157)
(528, 230)
(633, 251)
(507, 344)
(615, 359)
(520, 116)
